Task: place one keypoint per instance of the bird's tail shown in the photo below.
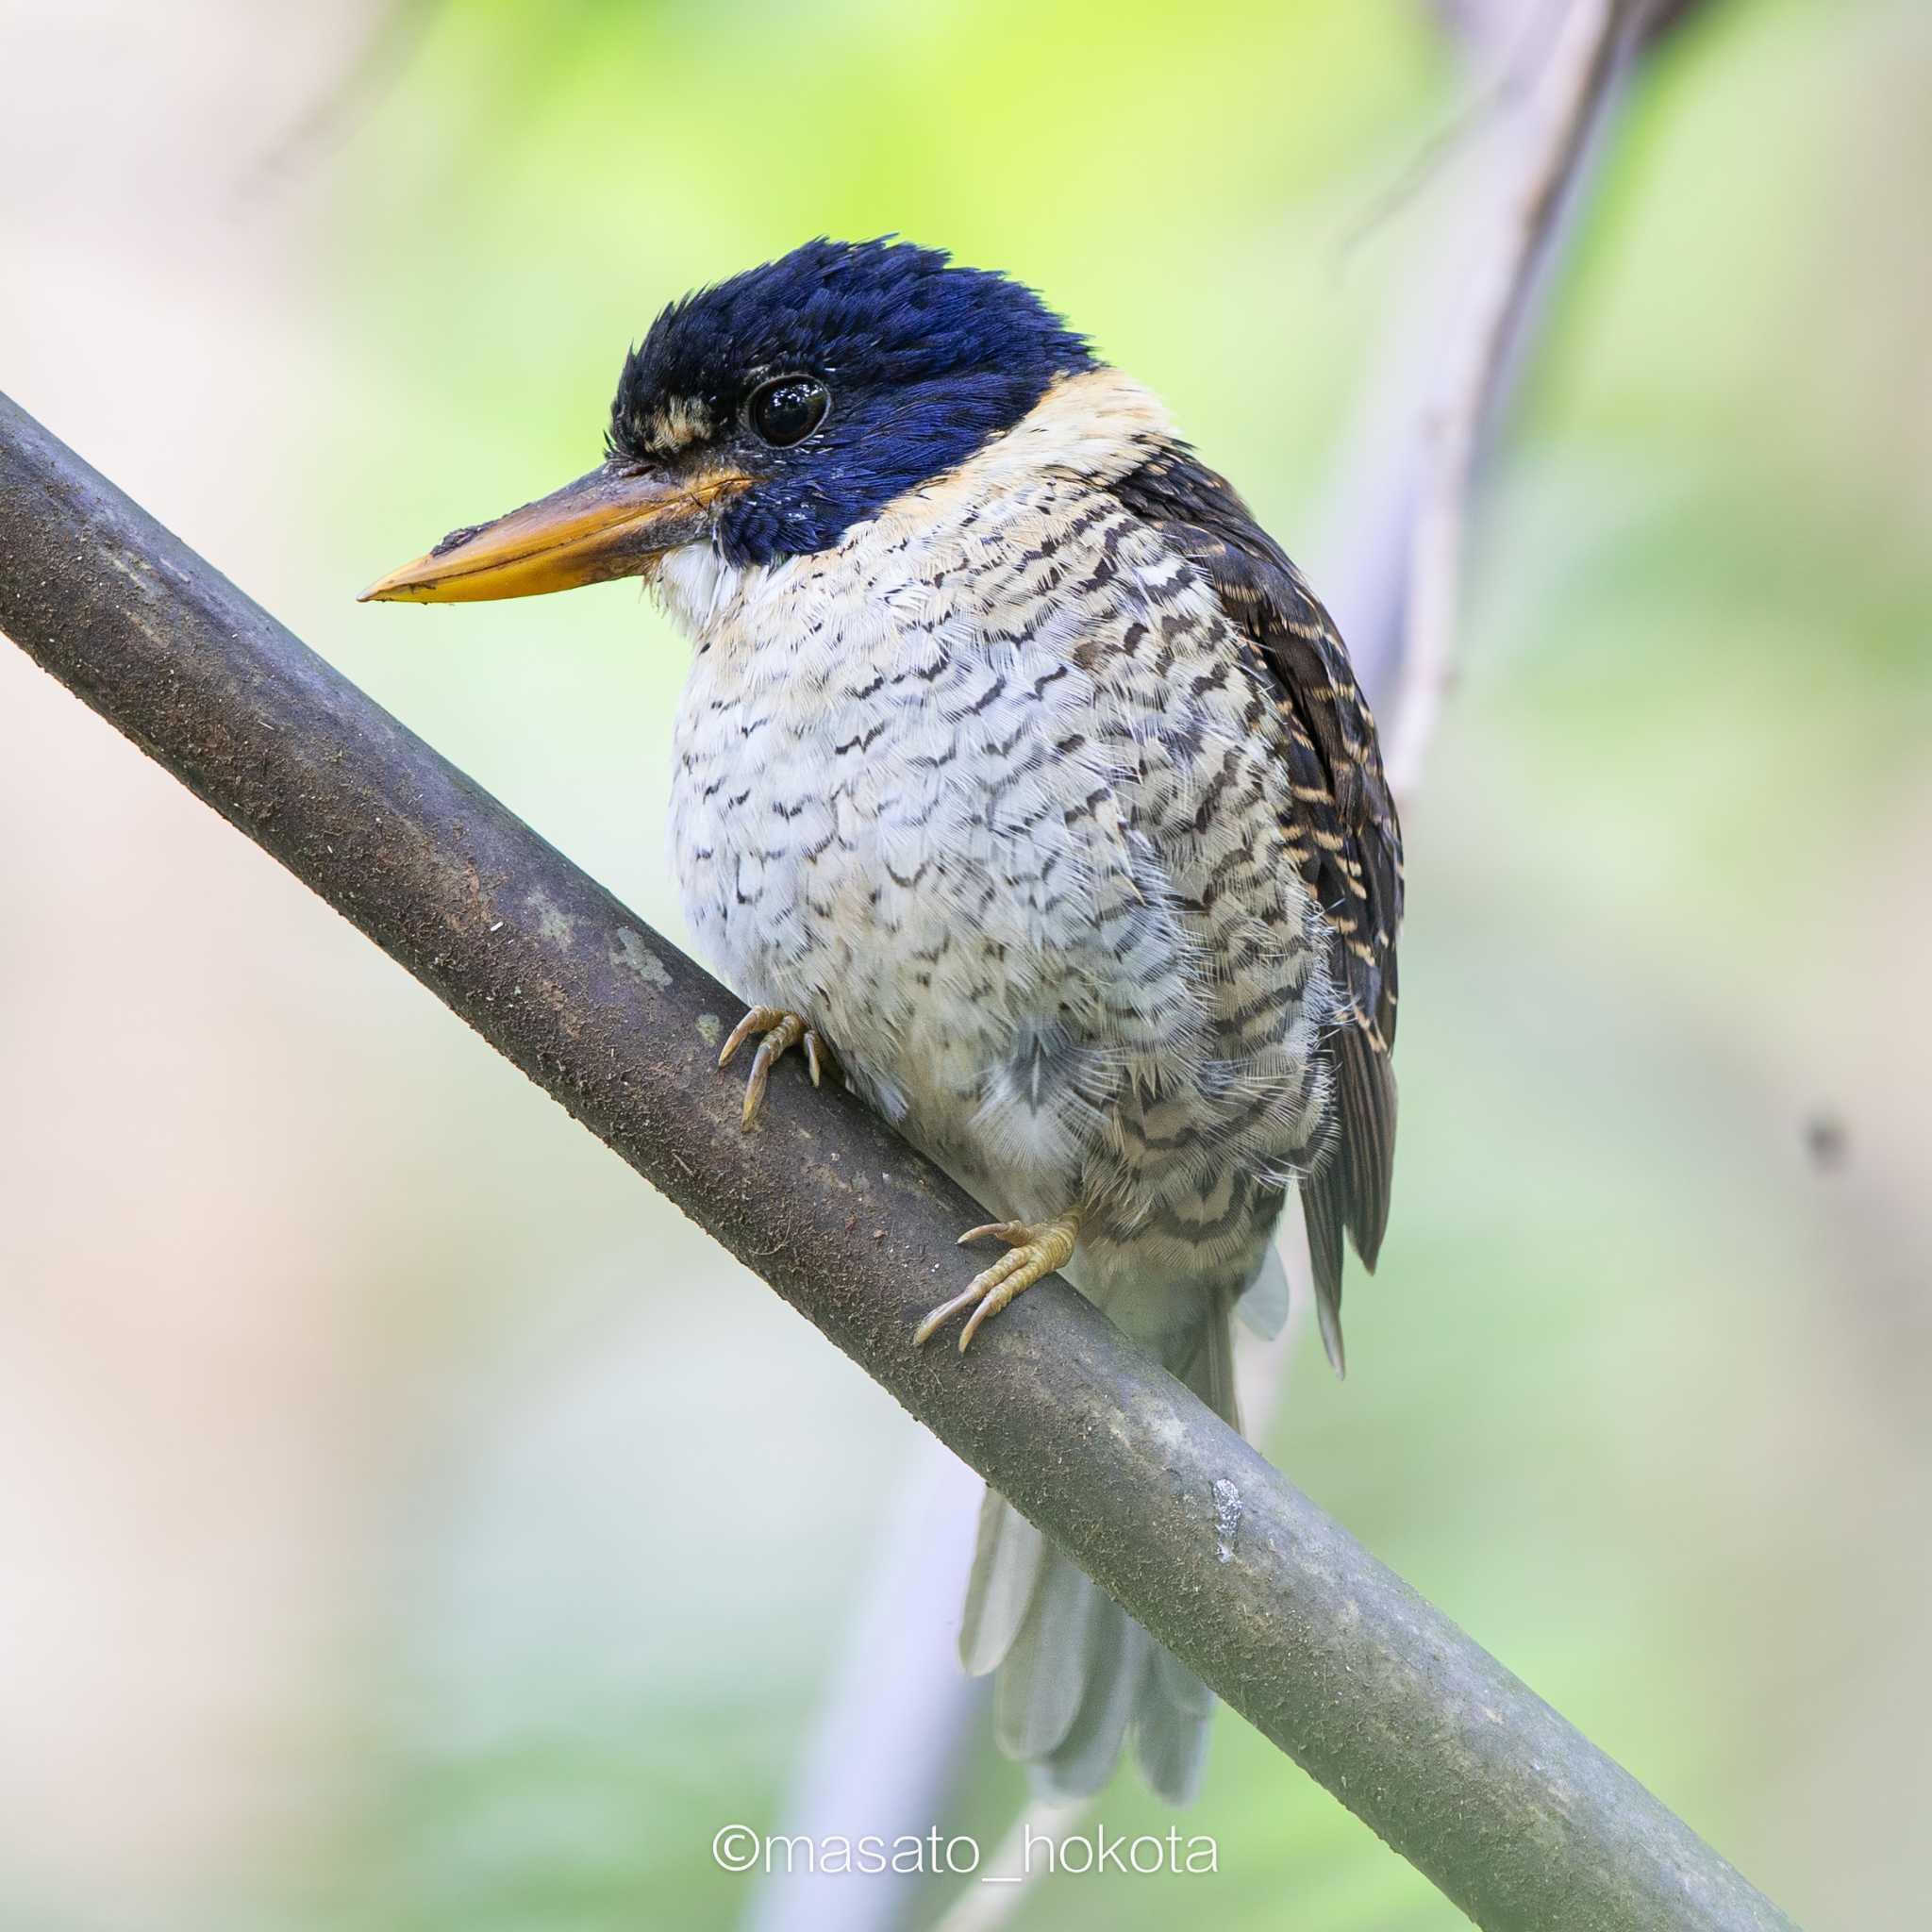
(1076, 1674)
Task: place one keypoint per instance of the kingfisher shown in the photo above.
(1020, 773)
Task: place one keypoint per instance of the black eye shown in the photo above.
(788, 409)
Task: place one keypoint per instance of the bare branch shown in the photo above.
(1330, 1655)
(1561, 108)
(1485, 23)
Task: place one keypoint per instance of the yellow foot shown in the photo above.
(782, 1031)
(1039, 1247)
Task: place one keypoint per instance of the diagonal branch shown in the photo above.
(1461, 1767)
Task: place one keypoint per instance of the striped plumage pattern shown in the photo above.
(1046, 797)
(1343, 838)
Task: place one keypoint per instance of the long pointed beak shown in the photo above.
(617, 522)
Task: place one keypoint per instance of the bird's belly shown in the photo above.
(1011, 982)
(944, 932)
(1026, 878)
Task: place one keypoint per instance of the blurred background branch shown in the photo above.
(1456, 1764)
(1561, 111)
(1548, 78)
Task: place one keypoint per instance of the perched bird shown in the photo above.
(1021, 769)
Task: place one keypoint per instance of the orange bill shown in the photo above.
(614, 522)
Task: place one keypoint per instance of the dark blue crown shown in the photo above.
(925, 361)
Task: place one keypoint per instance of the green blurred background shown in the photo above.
(407, 1520)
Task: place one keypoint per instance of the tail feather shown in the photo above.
(1349, 1190)
(1117, 1657)
(1209, 1372)
(1263, 1303)
(1007, 1565)
(1043, 1680)
(1322, 1219)
(1171, 1736)
(1076, 1674)
(1179, 1687)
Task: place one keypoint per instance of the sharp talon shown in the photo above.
(782, 1031)
(1037, 1250)
(990, 1306)
(758, 1020)
(1014, 1231)
(755, 1087)
(941, 1315)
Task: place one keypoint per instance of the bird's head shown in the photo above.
(764, 417)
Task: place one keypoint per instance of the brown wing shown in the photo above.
(1344, 836)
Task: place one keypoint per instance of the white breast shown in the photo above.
(906, 772)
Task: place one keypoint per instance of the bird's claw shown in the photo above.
(782, 1031)
(1039, 1248)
